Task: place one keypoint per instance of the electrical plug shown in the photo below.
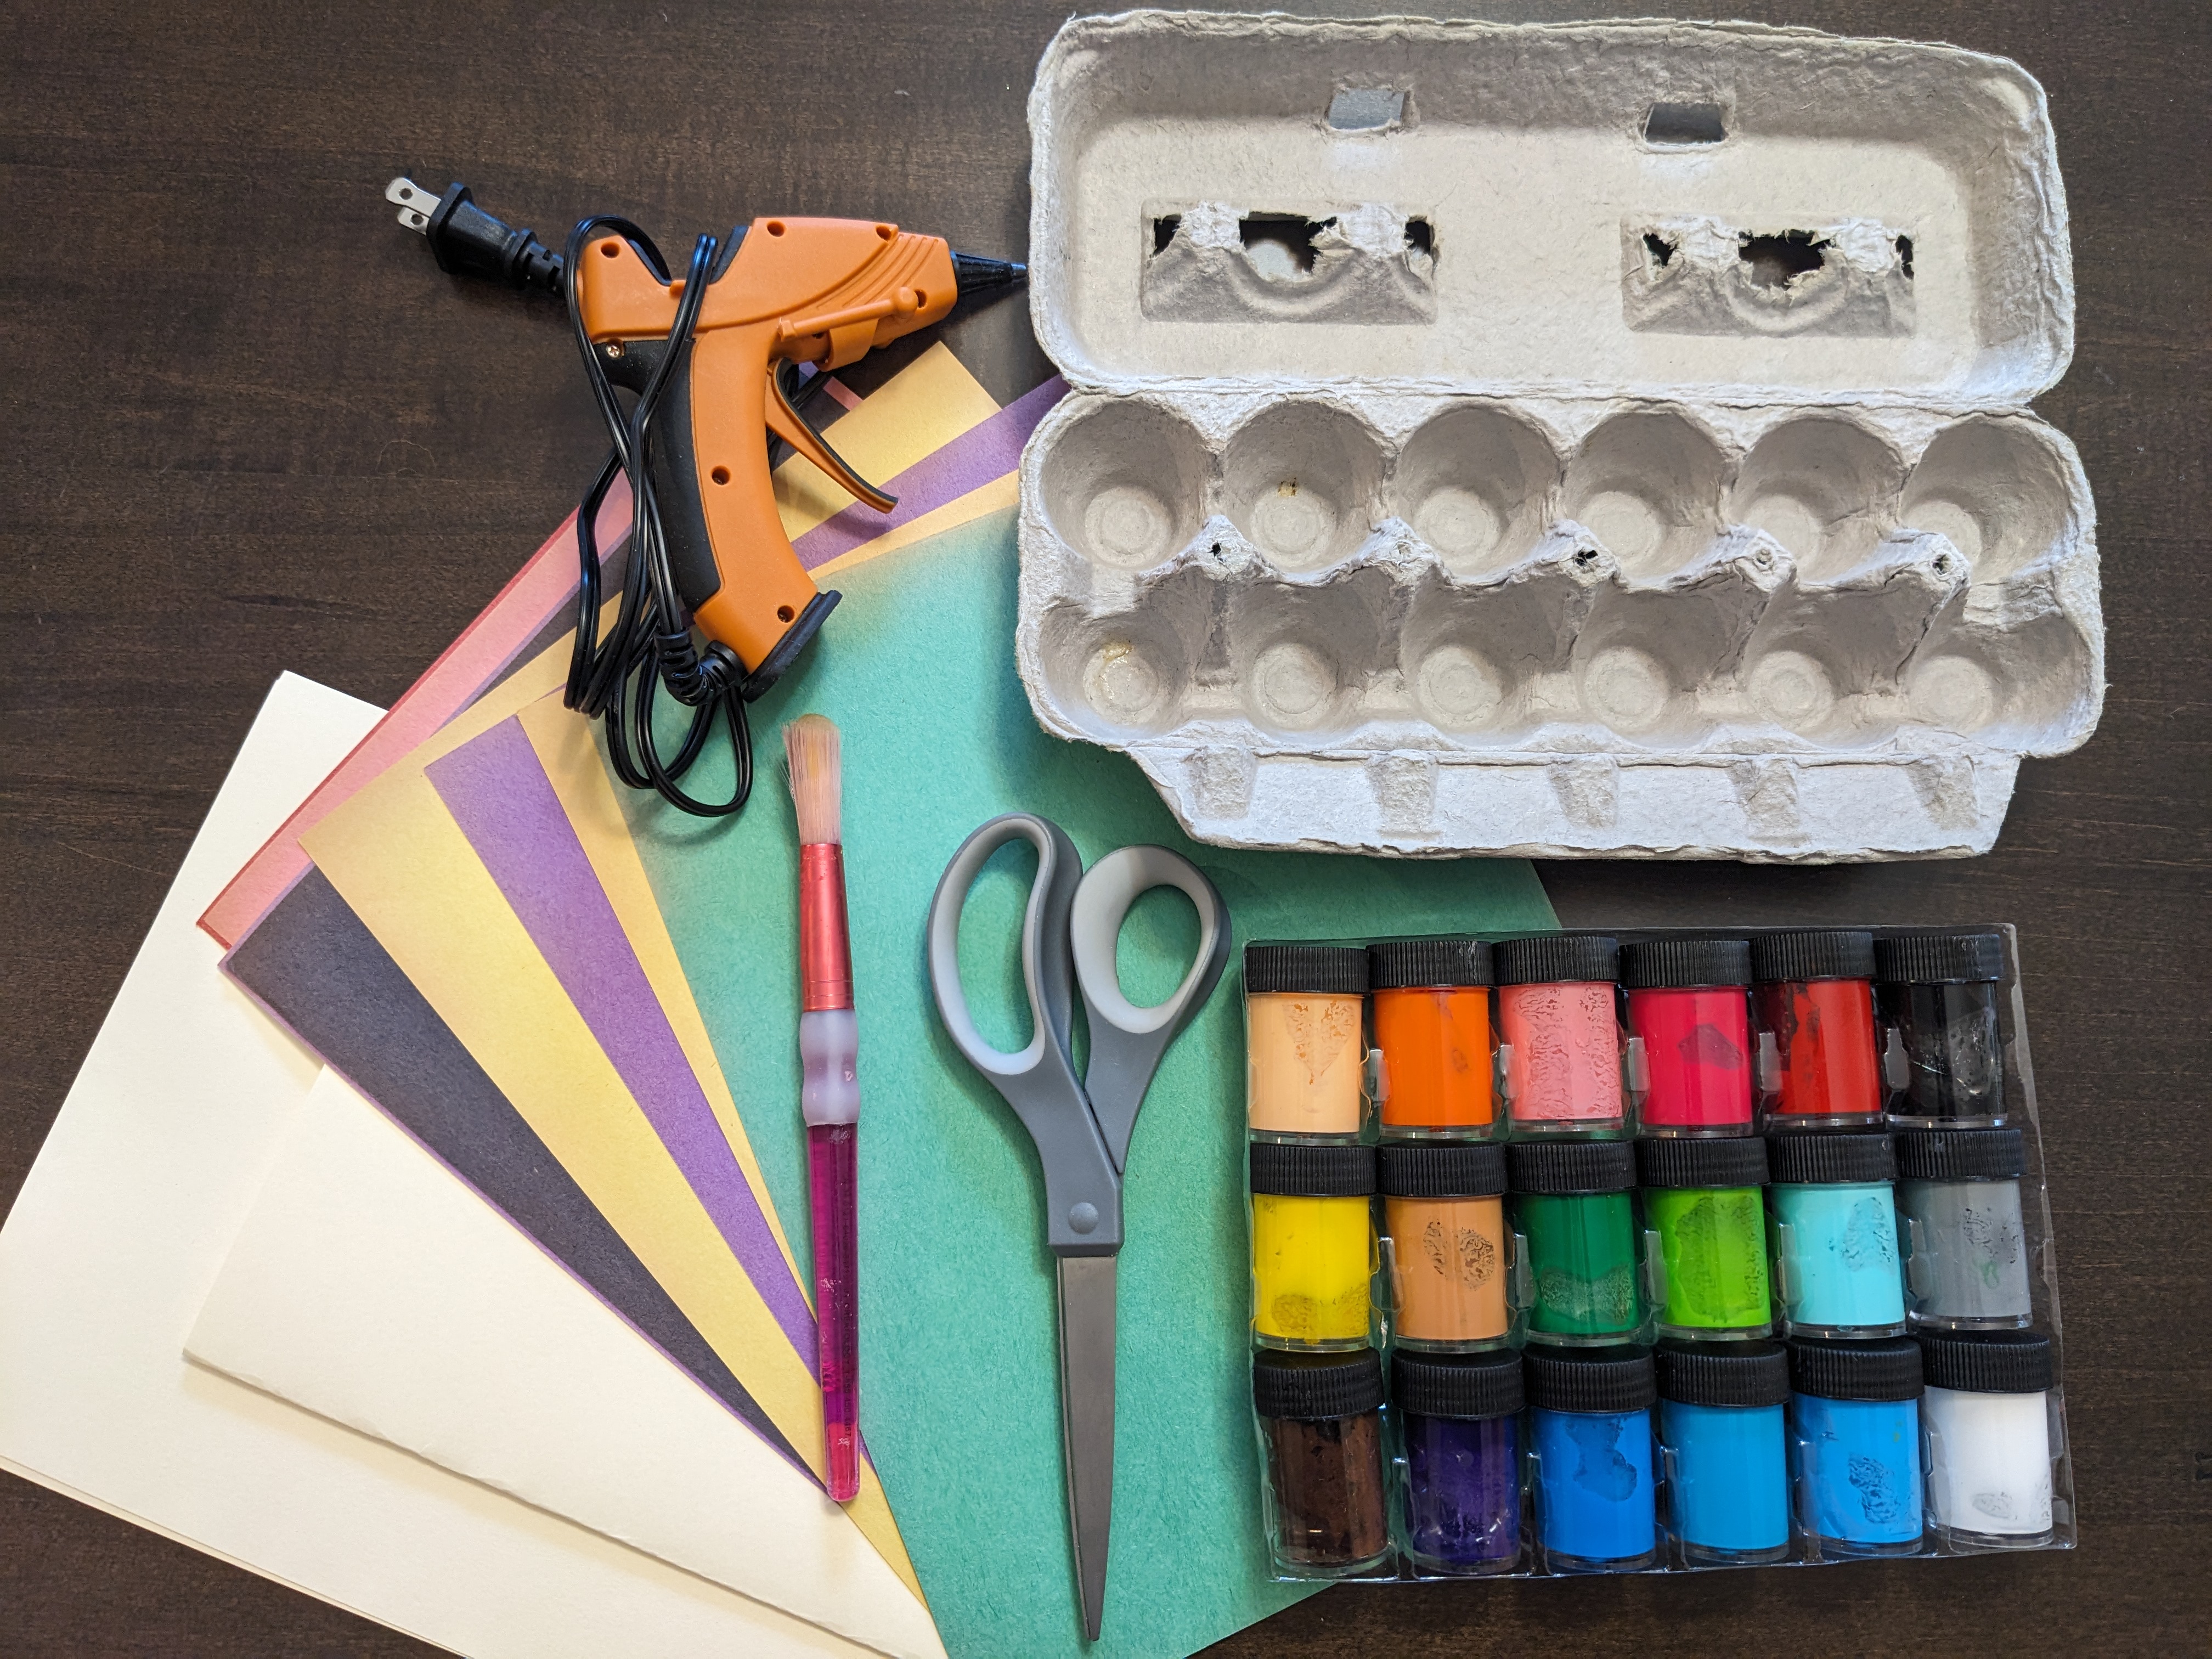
(469, 240)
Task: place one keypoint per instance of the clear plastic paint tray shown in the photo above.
(1950, 1513)
(1588, 438)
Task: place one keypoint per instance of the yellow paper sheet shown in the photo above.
(1004, 490)
(398, 858)
(568, 750)
(923, 407)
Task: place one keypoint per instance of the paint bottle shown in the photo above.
(1724, 1452)
(1458, 1416)
(1320, 1448)
(1963, 1236)
(1689, 1005)
(1988, 1417)
(1936, 1000)
(1589, 1430)
(1313, 1243)
(1834, 1222)
(1707, 1246)
(1855, 1445)
(1444, 1211)
(1576, 1238)
(1306, 1051)
(1559, 1028)
(1812, 1021)
(1432, 1009)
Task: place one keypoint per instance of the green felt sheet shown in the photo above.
(959, 1378)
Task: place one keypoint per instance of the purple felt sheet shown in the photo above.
(989, 450)
(499, 794)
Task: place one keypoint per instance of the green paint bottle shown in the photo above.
(1575, 1223)
(1702, 1206)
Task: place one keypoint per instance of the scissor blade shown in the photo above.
(1086, 1419)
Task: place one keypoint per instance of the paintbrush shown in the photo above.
(829, 1090)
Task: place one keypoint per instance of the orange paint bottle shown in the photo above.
(1431, 1000)
(1444, 1210)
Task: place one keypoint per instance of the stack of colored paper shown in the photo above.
(542, 1222)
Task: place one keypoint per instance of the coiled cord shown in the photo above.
(650, 646)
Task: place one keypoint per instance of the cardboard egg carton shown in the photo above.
(1564, 440)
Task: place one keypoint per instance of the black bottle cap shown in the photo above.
(1736, 1161)
(1314, 970)
(1571, 1166)
(1961, 1155)
(1294, 1169)
(1590, 1379)
(1802, 1160)
(1312, 1387)
(1654, 964)
(1832, 953)
(1416, 961)
(1439, 1169)
(1888, 1370)
(1427, 961)
(1456, 1385)
(1939, 958)
(1555, 959)
(1724, 1374)
(2004, 1362)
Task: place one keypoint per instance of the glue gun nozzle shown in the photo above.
(973, 275)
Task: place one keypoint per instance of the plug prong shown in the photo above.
(415, 203)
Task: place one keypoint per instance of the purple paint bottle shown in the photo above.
(1460, 1417)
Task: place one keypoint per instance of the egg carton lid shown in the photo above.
(1530, 185)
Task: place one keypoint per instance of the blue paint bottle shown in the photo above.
(1724, 1452)
(1589, 1425)
(1855, 1445)
(1835, 1226)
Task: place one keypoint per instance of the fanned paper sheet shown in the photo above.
(370, 1286)
(121, 1227)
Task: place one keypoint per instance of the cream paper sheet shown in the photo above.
(370, 1286)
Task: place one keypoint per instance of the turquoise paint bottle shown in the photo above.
(1832, 1216)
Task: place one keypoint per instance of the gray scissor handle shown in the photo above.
(1126, 1041)
(1082, 1188)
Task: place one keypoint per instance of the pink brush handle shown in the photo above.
(832, 1170)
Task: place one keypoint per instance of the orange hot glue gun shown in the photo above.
(716, 359)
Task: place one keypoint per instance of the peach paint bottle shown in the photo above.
(1306, 1048)
(1431, 999)
(1558, 1016)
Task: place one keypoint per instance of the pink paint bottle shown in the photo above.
(1560, 1035)
(1689, 1005)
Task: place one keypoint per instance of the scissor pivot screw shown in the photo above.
(1082, 1218)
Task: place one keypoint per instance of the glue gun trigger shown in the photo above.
(795, 429)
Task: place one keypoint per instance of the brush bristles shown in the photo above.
(810, 749)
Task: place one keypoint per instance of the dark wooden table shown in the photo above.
(252, 428)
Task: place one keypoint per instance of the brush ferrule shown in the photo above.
(825, 949)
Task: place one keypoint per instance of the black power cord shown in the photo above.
(650, 646)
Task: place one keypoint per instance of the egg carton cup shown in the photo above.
(1356, 535)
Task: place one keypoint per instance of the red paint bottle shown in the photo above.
(1689, 1003)
(1818, 1065)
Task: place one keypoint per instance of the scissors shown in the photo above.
(1080, 1125)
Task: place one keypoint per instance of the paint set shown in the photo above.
(1648, 1250)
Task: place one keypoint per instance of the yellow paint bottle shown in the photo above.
(1313, 1244)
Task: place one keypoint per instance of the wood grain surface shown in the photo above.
(251, 428)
